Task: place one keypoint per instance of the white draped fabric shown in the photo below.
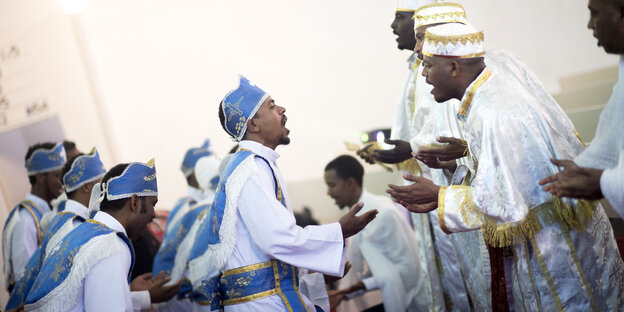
(564, 258)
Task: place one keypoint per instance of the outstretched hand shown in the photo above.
(366, 154)
(402, 151)
(352, 224)
(573, 181)
(422, 191)
(453, 148)
(436, 163)
(155, 286)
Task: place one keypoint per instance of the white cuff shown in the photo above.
(140, 300)
(370, 283)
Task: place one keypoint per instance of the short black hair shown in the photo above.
(31, 150)
(68, 145)
(113, 205)
(234, 149)
(66, 168)
(347, 167)
(222, 119)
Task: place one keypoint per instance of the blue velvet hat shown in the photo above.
(192, 155)
(45, 160)
(241, 104)
(137, 179)
(84, 169)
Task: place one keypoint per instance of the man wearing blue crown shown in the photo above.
(174, 250)
(97, 257)
(249, 250)
(80, 173)
(194, 192)
(22, 231)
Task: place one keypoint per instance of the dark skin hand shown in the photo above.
(366, 154)
(155, 286)
(332, 279)
(573, 181)
(335, 297)
(402, 151)
(452, 149)
(352, 224)
(421, 196)
(436, 163)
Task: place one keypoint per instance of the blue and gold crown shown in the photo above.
(191, 157)
(45, 160)
(137, 179)
(241, 104)
(84, 169)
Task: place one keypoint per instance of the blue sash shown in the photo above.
(33, 266)
(165, 258)
(57, 266)
(254, 282)
(34, 212)
(176, 208)
(61, 206)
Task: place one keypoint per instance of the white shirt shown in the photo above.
(24, 239)
(611, 185)
(106, 285)
(267, 230)
(385, 257)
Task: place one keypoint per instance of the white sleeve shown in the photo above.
(272, 227)
(312, 286)
(370, 283)
(611, 185)
(106, 286)
(23, 242)
(140, 300)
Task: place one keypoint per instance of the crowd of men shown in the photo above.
(498, 211)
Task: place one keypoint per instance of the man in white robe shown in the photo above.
(598, 172)
(383, 256)
(251, 227)
(22, 232)
(565, 256)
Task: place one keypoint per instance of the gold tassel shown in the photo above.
(575, 217)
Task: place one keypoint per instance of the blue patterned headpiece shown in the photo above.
(192, 156)
(241, 104)
(138, 179)
(45, 160)
(84, 169)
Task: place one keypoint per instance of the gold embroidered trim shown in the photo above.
(248, 268)
(455, 56)
(468, 209)
(411, 165)
(577, 262)
(547, 276)
(530, 268)
(278, 288)
(454, 39)
(574, 217)
(249, 298)
(467, 101)
(579, 137)
(441, 195)
(39, 232)
(448, 17)
(439, 4)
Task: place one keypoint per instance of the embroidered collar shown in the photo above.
(470, 92)
(77, 208)
(260, 150)
(109, 221)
